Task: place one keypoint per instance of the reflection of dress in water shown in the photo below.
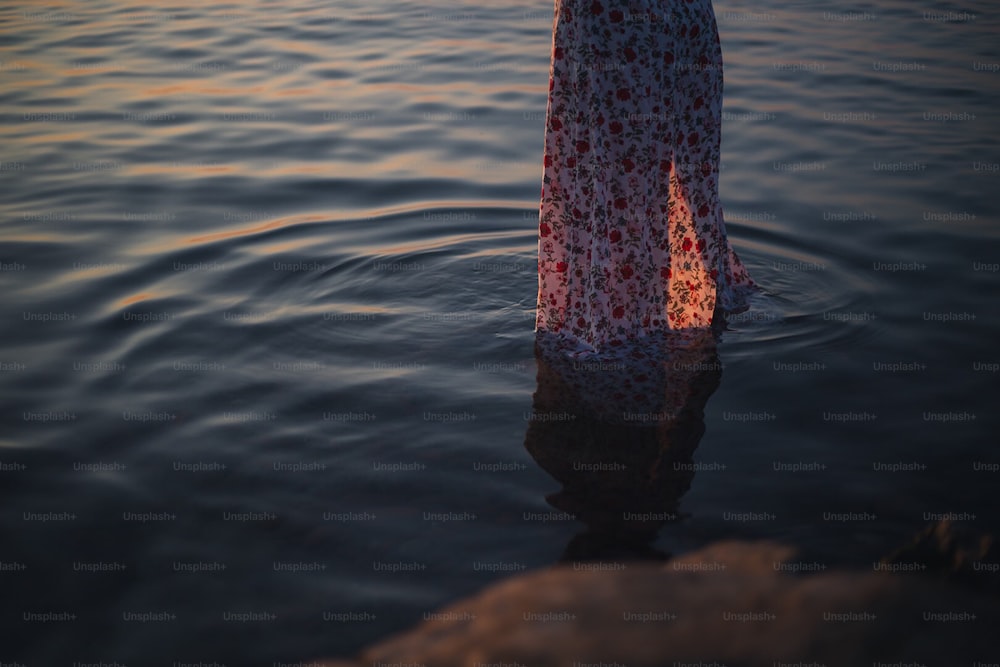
(619, 430)
(631, 232)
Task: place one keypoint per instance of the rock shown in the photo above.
(727, 604)
(954, 553)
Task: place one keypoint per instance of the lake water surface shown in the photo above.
(269, 382)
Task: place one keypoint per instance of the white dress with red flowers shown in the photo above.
(631, 233)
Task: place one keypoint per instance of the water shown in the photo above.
(268, 277)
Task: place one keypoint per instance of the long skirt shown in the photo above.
(631, 237)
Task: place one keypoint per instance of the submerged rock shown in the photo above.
(731, 603)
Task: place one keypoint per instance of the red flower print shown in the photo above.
(571, 162)
(628, 165)
(561, 267)
(581, 323)
(616, 127)
(555, 124)
(621, 203)
(665, 273)
(693, 139)
(618, 312)
(664, 166)
(703, 211)
(615, 236)
(577, 214)
(668, 58)
(713, 274)
(686, 245)
(699, 102)
(558, 53)
(630, 54)
(700, 245)
(695, 31)
(596, 8)
(544, 229)
(547, 160)
(623, 94)
(627, 271)
(582, 146)
(617, 16)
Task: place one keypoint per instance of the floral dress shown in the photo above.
(631, 232)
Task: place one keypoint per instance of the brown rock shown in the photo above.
(953, 552)
(726, 604)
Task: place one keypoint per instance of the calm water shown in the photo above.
(268, 277)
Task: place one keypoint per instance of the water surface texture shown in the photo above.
(267, 366)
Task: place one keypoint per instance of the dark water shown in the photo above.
(269, 382)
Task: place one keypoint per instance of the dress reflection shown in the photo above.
(619, 430)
